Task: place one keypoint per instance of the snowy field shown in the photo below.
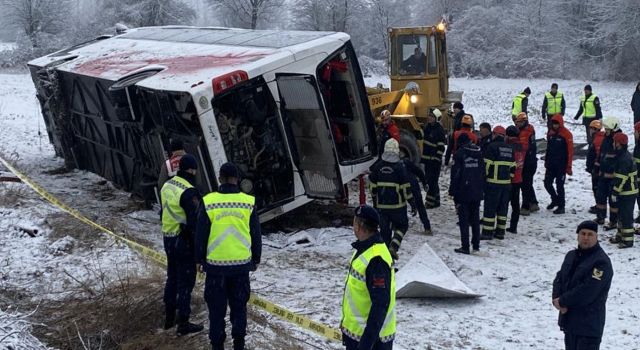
(515, 277)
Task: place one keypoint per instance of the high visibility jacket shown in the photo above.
(434, 141)
(389, 185)
(229, 242)
(588, 106)
(625, 181)
(554, 103)
(517, 104)
(172, 213)
(499, 162)
(356, 303)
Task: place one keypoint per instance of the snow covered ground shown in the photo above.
(515, 276)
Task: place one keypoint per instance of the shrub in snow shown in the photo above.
(62, 246)
(15, 333)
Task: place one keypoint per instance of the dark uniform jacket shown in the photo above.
(378, 277)
(385, 197)
(607, 155)
(435, 138)
(467, 174)
(559, 154)
(499, 162)
(625, 180)
(202, 238)
(582, 284)
(484, 142)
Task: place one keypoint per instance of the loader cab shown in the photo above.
(418, 55)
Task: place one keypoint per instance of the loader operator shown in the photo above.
(416, 63)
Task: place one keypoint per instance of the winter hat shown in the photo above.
(176, 145)
(187, 162)
(458, 105)
(588, 87)
(588, 225)
(527, 90)
(636, 126)
(367, 213)
(391, 152)
(621, 138)
(229, 170)
(512, 131)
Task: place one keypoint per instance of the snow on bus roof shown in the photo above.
(187, 55)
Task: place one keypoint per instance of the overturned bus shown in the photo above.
(288, 107)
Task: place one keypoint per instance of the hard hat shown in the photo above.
(385, 114)
(596, 124)
(621, 139)
(392, 146)
(467, 119)
(512, 131)
(499, 130)
(611, 123)
(436, 112)
(522, 117)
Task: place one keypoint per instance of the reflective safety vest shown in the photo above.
(499, 171)
(554, 103)
(517, 104)
(172, 213)
(628, 184)
(229, 241)
(356, 303)
(588, 106)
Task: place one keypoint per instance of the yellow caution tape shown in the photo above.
(304, 322)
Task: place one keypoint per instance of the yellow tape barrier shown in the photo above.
(160, 258)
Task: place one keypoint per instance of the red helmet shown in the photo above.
(499, 130)
(621, 138)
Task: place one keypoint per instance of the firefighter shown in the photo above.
(485, 136)
(180, 200)
(636, 158)
(432, 150)
(605, 176)
(368, 304)
(229, 246)
(593, 157)
(520, 103)
(558, 162)
(500, 167)
(390, 189)
(513, 139)
(625, 191)
(553, 104)
(466, 127)
(387, 129)
(170, 167)
(589, 109)
(528, 142)
(466, 187)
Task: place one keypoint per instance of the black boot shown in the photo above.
(499, 234)
(462, 250)
(185, 327)
(594, 210)
(486, 235)
(559, 210)
(512, 230)
(169, 318)
(551, 205)
(238, 343)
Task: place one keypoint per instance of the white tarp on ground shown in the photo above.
(427, 276)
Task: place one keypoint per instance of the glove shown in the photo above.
(576, 117)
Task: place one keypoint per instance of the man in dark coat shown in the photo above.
(558, 162)
(635, 104)
(485, 136)
(433, 147)
(466, 187)
(580, 291)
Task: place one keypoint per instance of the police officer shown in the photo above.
(520, 103)
(390, 189)
(500, 167)
(558, 162)
(625, 191)
(466, 187)
(553, 104)
(605, 176)
(180, 200)
(229, 245)
(433, 145)
(580, 291)
(593, 157)
(589, 109)
(368, 305)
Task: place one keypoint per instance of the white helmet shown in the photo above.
(611, 123)
(436, 112)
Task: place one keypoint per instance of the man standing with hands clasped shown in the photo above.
(580, 290)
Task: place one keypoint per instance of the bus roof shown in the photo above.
(186, 57)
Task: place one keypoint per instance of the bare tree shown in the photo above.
(36, 17)
(141, 13)
(332, 15)
(246, 13)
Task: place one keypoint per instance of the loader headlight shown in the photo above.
(414, 99)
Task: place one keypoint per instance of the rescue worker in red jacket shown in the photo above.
(466, 127)
(387, 130)
(500, 168)
(558, 162)
(513, 139)
(528, 141)
(625, 191)
(593, 157)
